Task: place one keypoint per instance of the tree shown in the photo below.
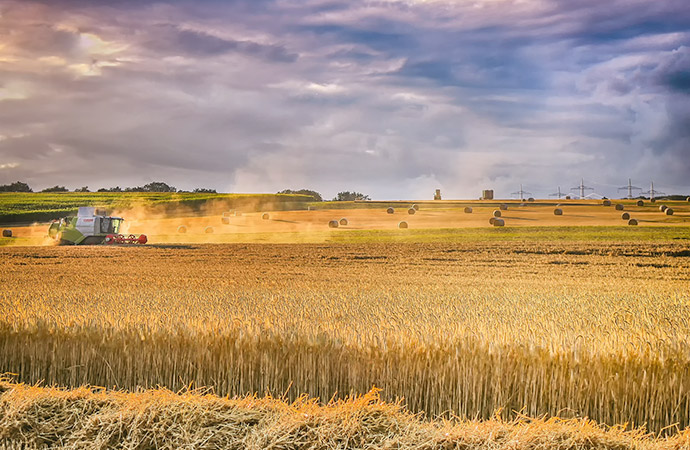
(204, 191)
(115, 189)
(156, 186)
(315, 195)
(82, 189)
(348, 196)
(17, 186)
(56, 188)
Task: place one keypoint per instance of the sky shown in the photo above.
(390, 98)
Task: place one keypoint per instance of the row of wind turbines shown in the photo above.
(582, 188)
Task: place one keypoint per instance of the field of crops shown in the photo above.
(41, 207)
(568, 329)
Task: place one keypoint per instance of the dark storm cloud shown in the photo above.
(392, 97)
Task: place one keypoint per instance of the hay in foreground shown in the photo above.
(36, 417)
(632, 222)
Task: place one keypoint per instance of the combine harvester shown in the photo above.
(91, 227)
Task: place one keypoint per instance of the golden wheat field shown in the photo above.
(457, 331)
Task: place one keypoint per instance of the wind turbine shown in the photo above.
(521, 193)
(582, 188)
(630, 188)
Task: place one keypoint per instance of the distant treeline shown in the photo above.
(156, 186)
(345, 196)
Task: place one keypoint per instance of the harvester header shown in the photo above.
(92, 226)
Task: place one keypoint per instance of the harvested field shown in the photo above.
(312, 225)
(555, 329)
(91, 418)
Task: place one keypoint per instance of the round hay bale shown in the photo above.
(228, 213)
(492, 220)
(182, 229)
(662, 208)
(640, 203)
(390, 210)
(343, 221)
(669, 212)
(411, 211)
(625, 216)
(558, 212)
(619, 207)
(497, 213)
(265, 216)
(6, 233)
(225, 220)
(632, 222)
(531, 199)
(402, 224)
(606, 202)
(503, 207)
(468, 210)
(333, 224)
(653, 200)
(208, 230)
(416, 208)
(688, 199)
(499, 222)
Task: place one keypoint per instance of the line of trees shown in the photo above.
(156, 186)
(345, 196)
(159, 186)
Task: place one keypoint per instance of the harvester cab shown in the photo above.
(92, 226)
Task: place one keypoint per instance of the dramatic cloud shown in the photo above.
(392, 98)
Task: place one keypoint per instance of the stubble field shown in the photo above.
(456, 330)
